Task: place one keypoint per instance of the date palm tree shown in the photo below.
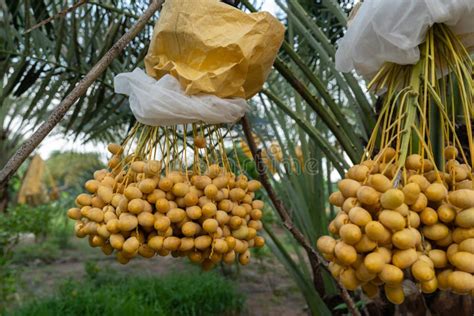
(39, 65)
(320, 118)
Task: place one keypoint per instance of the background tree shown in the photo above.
(39, 67)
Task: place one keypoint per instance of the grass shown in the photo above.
(105, 293)
(47, 249)
(46, 252)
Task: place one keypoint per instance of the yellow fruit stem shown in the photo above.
(411, 110)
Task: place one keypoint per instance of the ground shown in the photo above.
(268, 288)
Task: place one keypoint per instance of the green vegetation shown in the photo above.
(46, 251)
(27, 219)
(51, 233)
(105, 293)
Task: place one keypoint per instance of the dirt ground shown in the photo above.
(268, 288)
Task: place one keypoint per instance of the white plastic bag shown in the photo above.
(391, 30)
(163, 102)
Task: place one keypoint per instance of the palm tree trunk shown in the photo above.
(4, 197)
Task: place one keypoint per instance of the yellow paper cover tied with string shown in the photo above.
(214, 48)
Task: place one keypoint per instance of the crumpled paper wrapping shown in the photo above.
(214, 48)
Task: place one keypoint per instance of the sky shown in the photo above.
(270, 6)
(60, 142)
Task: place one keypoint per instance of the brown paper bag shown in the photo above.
(213, 48)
